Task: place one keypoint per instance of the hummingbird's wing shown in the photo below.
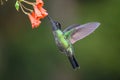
(81, 31)
(71, 27)
(67, 32)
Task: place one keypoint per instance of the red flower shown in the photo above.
(35, 22)
(43, 12)
(39, 6)
(38, 13)
(39, 3)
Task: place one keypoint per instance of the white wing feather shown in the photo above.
(82, 31)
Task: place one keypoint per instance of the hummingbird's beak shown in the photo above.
(54, 27)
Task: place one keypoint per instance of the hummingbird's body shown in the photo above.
(65, 46)
(61, 39)
(65, 39)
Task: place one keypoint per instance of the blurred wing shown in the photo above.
(82, 31)
(67, 32)
(71, 27)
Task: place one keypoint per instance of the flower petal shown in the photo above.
(37, 12)
(35, 22)
(43, 12)
(39, 3)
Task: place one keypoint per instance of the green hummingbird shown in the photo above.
(64, 39)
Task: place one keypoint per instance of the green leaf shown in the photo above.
(17, 5)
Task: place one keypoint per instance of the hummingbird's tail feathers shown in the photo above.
(73, 62)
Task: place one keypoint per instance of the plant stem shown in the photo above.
(27, 2)
(26, 8)
(23, 9)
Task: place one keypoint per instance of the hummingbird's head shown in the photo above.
(55, 24)
(58, 25)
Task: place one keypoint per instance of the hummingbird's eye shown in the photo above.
(58, 25)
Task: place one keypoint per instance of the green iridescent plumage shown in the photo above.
(65, 39)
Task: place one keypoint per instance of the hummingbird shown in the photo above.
(66, 38)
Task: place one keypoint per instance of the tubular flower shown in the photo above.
(43, 12)
(34, 21)
(34, 15)
(39, 3)
(39, 6)
(39, 13)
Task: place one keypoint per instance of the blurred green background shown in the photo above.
(31, 54)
